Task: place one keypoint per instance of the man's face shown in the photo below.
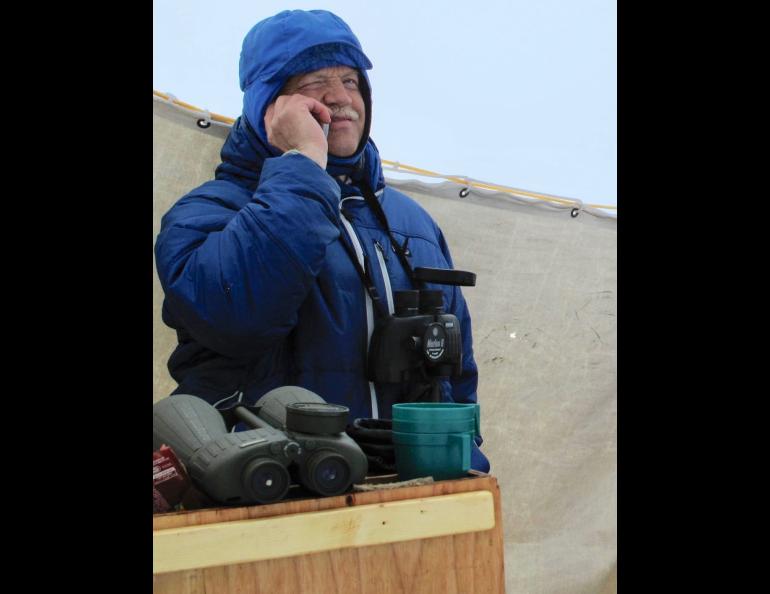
(338, 89)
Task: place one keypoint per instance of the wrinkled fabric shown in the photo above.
(258, 285)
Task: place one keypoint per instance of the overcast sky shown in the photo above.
(519, 93)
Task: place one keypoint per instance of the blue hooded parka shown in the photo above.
(257, 282)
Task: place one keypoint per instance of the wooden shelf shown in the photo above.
(442, 537)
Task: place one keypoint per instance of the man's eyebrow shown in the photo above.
(314, 77)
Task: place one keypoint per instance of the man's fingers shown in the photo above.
(317, 109)
(321, 112)
(294, 122)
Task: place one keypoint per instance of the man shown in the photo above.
(275, 272)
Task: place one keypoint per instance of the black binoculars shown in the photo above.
(294, 431)
(419, 341)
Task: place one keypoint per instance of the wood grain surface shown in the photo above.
(470, 563)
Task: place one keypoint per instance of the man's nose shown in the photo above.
(337, 94)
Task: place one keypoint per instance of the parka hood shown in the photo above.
(295, 42)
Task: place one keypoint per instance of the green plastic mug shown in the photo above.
(442, 456)
(434, 438)
(436, 417)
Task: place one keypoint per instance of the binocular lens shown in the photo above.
(266, 479)
(328, 473)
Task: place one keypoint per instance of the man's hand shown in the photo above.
(292, 122)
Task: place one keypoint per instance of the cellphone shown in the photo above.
(325, 128)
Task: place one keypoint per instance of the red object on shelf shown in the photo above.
(169, 480)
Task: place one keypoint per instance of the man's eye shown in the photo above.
(309, 86)
(350, 83)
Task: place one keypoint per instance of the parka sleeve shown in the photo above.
(235, 278)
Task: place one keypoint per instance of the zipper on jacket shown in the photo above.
(386, 279)
(369, 306)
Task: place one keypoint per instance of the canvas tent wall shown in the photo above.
(544, 324)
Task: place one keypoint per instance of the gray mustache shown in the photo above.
(345, 113)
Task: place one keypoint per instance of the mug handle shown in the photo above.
(465, 444)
